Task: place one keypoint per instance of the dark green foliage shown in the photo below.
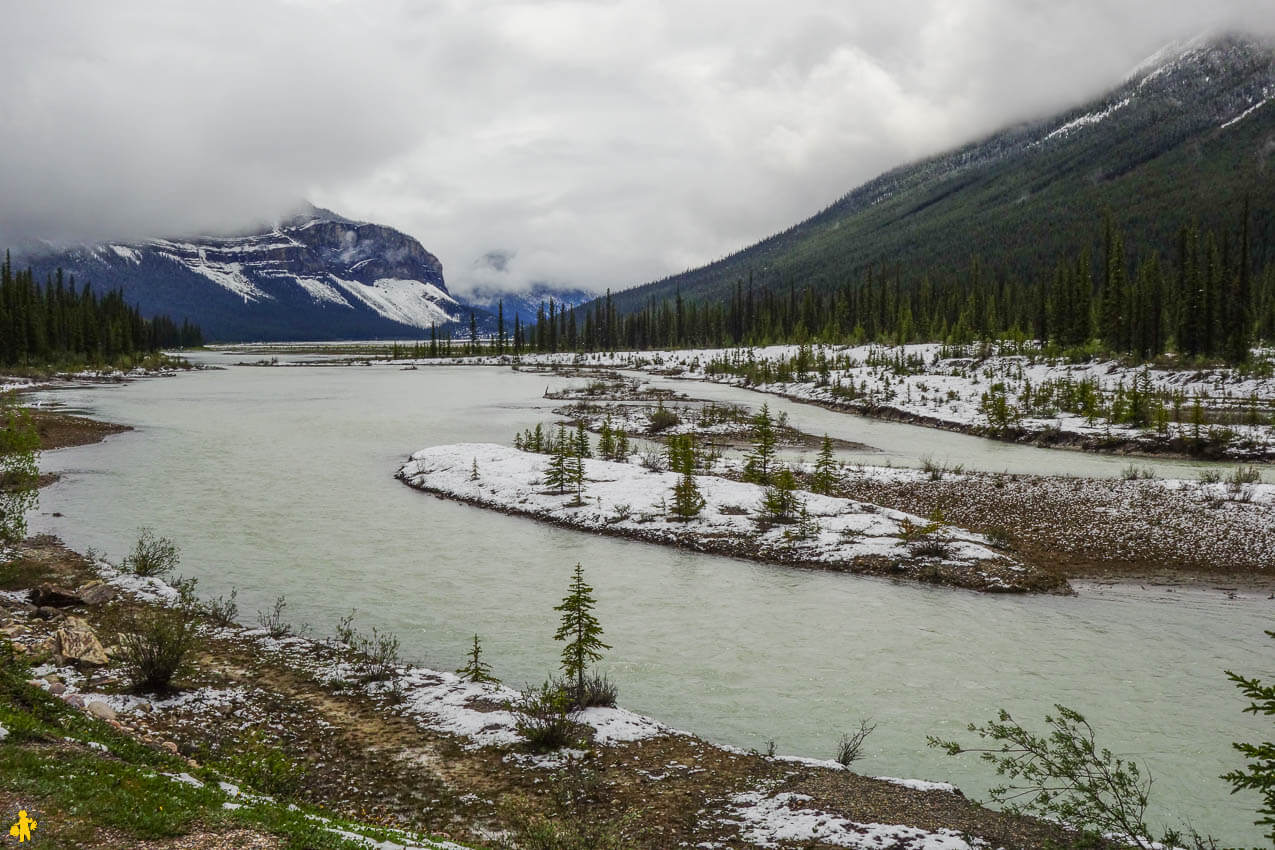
(19, 468)
(780, 504)
(152, 556)
(1063, 775)
(156, 645)
(662, 419)
(53, 323)
(758, 466)
(1212, 300)
(560, 472)
(544, 718)
(598, 690)
(826, 476)
(687, 499)
(1259, 774)
(580, 630)
(475, 669)
(606, 441)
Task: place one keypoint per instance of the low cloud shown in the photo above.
(591, 144)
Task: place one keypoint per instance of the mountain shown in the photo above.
(314, 275)
(526, 304)
(1188, 135)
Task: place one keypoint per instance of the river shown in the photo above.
(279, 481)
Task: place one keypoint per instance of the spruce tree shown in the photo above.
(582, 441)
(476, 670)
(687, 499)
(559, 473)
(780, 503)
(826, 477)
(577, 478)
(757, 468)
(580, 630)
(622, 446)
(606, 441)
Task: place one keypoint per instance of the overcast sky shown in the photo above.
(587, 144)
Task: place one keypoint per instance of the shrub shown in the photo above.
(273, 622)
(662, 419)
(850, 747)
(544, 718)
(223, 610)
(152, 556)
(1136, 473)
(1244, 475)
(598, 691)
(929, 548)
(1063, 776)
(155, 646)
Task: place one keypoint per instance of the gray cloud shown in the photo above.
(595, 143)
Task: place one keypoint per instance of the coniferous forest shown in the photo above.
(56, 322)
(1210, 295)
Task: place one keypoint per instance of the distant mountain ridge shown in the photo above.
(1187, 135)
(314, 275)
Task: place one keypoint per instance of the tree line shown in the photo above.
(56, 322)
(1209, 295)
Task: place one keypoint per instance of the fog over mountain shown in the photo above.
(590, 144)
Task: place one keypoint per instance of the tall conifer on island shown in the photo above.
(559, 472)
(581, 631)
(825, 479)
(757, 467)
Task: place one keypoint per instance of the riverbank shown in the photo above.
(299, 719)
(1140, 529)
(1003, 392)
(626, 500)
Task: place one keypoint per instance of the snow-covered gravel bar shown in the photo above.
(627, 500)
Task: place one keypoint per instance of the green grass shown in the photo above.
(45, 760)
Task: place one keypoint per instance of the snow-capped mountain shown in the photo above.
(1184, 137)
(314, 275)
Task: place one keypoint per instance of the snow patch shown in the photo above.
(771, 821)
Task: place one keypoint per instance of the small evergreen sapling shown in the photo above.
(687, 499)
(580, 630)
(606, 441)
(475, 669)
(780, 503)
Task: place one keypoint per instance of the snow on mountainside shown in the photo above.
(1181, 138)
(315, 275)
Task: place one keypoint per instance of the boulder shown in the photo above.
(95, 592)
(101, 711)
(53, 596)
(91, 593)
(57, 689)
(77, 642)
